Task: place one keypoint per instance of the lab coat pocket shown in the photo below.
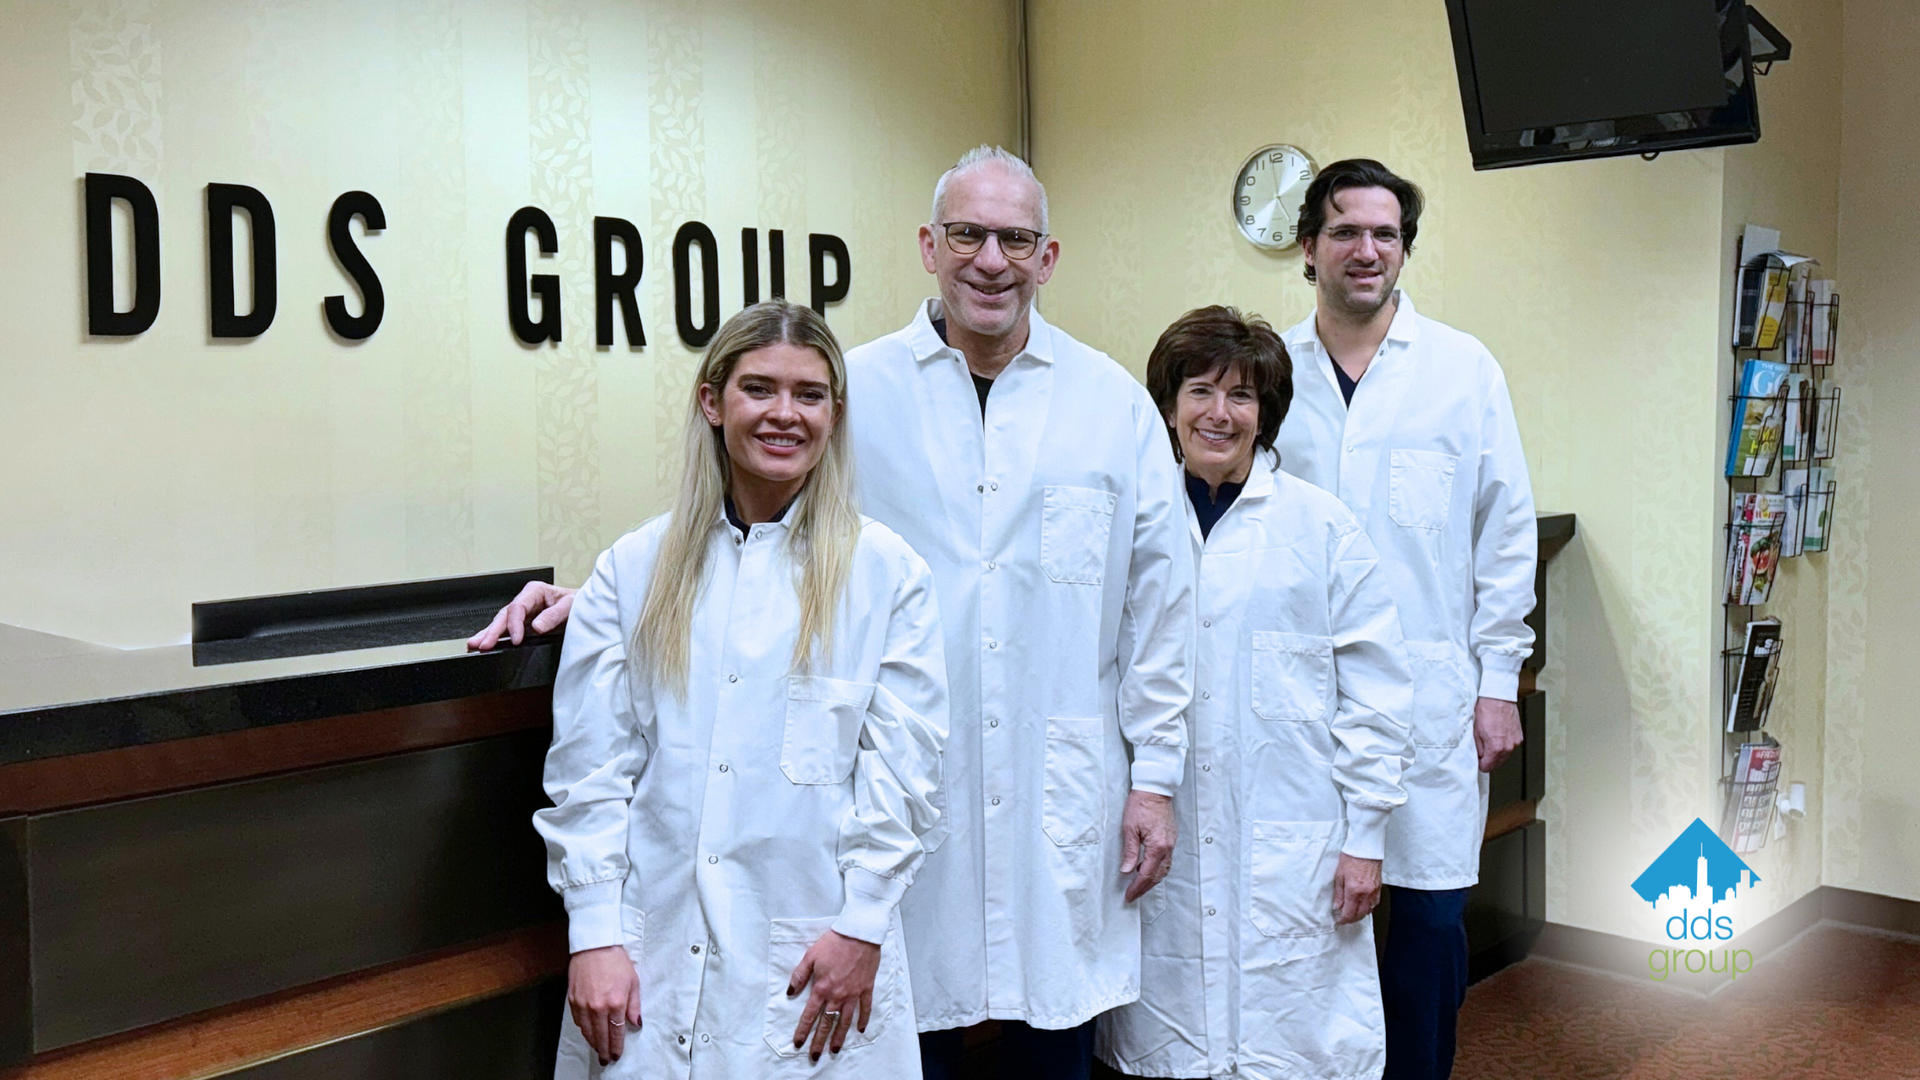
(1422, 488)
(1291, 675)
(824, 718)
(1442, 693)
(787, 941)
(1076, 781)
(1291, 890)
(1075, 526)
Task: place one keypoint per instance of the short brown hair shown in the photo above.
(1207, 339)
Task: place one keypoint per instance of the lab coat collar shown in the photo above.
(1260, 484)
(1406, 323)
(1305, 337)
(725, 519)
(928, 345)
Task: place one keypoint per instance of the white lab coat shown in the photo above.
(1429, 461)
(719, 836)
(1298, 741)
(1058, 543)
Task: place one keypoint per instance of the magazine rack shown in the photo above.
(1781, 497)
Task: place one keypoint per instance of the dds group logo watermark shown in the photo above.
(1692, 886)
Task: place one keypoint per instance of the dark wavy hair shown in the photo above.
(1359, 173)
(1207, 339)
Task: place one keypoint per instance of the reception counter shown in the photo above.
(296, 867)
(322, 866)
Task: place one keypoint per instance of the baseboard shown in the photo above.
(1630, 956)
(1870, 910)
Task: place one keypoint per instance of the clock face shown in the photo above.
(1267, 195)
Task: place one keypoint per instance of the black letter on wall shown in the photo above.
(749, 267)
(609, 286)
(822, 245)
(102, 189)
(545, 286)
(750, 264)
(340, 238)
(222, 201)
(777, 262)
(690, 234)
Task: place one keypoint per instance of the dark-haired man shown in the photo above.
(1409, 422)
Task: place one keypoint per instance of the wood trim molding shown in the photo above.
(31, 787)
(226, 1040)
(1504, 819)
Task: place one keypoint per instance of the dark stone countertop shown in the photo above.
(59, 696)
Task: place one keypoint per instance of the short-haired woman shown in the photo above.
(749, 719)
(1257, 958)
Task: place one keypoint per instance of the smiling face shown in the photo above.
(986, 293)
(1216, 418)
(1358, 253)
(775, 412)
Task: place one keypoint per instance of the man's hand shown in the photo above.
(1356, 889)
(1496, 731)
(604, 995)
(841, 970)
(1147, 833)
(546, 605)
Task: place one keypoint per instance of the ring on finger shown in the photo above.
(832, 1018)
(617, 1022)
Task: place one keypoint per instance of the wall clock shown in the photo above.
(1267, 195)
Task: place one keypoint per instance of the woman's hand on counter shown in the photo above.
(604, 994)
(540, 605)
(841, 970)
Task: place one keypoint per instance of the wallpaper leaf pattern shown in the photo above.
(438, 411)
(566, 376)
(677, 150)
(115, 57)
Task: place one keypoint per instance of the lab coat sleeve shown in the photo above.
(1505, 546)
(1156, 674)
(1371, 723)
(896, 818)
(592, 765)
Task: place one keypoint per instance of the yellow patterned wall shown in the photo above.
(1598, 285)
(153, 472)
(1791, 181)
(1872, 803)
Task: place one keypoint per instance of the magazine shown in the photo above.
(1819, 511)
(1825, 415)
(1823, 301)
(1767, 513)
(1765, 282)
(1793, 488)
(1751, 690)
(1759, 412)
(1796, 428)
(1795, 334)
(1749, 808)
(1753, 546)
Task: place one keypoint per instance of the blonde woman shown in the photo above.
(748, 725)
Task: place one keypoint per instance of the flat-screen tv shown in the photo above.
(1558, 80)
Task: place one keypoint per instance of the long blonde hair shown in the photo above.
(823, 527)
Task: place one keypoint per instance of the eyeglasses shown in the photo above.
(1384, 236)
(965, 238)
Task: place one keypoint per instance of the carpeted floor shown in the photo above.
(1835, 1003)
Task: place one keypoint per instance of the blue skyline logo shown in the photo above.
(1697, 867)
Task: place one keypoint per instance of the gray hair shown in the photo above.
(984, 155)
